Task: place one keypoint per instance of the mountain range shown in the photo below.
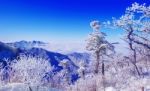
(13, 50)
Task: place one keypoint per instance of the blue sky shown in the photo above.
(56, 20)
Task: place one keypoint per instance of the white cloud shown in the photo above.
(66, 47)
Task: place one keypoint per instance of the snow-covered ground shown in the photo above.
(24, 87)
(110, 89)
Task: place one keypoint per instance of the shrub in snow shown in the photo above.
(5, 72)
(137, 85)
(30, 70)
(64, 75)
(90, 83)
(83, 66)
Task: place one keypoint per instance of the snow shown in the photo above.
(24, 87)
(120, 73)
(110, 89)
(15, 87)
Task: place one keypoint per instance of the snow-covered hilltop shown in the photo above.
(26, 44)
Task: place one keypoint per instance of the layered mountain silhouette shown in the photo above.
(12, 51)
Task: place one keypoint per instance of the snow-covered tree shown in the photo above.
(136, 24)
(5, 72)
(99, 45)
(81, 70)
(64, 74)
(100, 48)
(30, 70)
(83, 64)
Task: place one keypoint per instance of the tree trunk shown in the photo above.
(130, 39)
(103, 69)
(139, 74)
(142, 88)
(97, 63)
(97, 68)
(103, 75)
(134, 61)
(30, 89)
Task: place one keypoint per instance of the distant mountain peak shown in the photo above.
(26, 44)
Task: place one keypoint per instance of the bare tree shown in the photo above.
(136, 24)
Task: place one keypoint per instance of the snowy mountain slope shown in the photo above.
(53, 57)
(12, 51)
(39, 48)
(80, 56)
(7, 51)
